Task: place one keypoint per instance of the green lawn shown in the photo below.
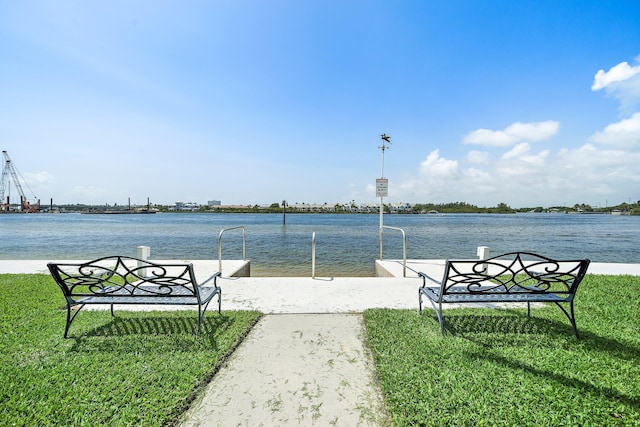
(134, 369)
(494, 367)
(500, 368)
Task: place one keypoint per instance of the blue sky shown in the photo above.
(529, 103)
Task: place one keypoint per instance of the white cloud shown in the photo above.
(478, 157)
(618, 73)
(625, 133)
(622, 82)
(522, 153)
(592, 169)
(517, 151)
(592, 174)
(438, 167)
(37, 182)
(39, 178)
(478, 175)
(517, 132)
(533, 131)
(493, 138)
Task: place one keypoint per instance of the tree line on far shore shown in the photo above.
(352, 208)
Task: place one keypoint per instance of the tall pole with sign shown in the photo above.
(382, 186)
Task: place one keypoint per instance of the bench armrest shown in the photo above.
(426, 277)
(215, 279)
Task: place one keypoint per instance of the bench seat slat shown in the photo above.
(454, 297)
(179, 296)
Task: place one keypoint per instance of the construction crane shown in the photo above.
(7, 170)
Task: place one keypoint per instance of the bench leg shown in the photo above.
(70, 318)
(573, 321)
(437, 309)
(571, 315)
(440, 317)
(203, 308)
(200, 313)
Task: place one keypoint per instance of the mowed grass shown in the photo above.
(494, 367)
(501, 368)
(138, 368)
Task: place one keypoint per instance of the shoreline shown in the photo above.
(393, 268)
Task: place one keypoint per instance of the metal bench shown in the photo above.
(125, 280)
(516, 277)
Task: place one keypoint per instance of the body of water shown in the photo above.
(346, 244)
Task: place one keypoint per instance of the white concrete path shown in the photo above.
(295, 370)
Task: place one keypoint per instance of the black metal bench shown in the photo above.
(125, 280)
(516, 277)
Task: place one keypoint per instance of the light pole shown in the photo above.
(382, 185)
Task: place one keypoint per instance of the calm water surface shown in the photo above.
(346, 245)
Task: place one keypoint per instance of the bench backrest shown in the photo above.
(515, 272)
(121, 276)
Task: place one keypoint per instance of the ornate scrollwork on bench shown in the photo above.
(125, 280)
(512, 277)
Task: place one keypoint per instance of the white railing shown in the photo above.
(404, 247)
(244, 244)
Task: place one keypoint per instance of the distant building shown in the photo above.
(214, 203)
(186, 206)
(399, 207)
(305, 207)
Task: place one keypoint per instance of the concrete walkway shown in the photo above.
(295, 370)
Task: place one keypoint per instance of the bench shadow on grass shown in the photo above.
(513, 327)
(516, 322)
(181, 330)
(465, 324)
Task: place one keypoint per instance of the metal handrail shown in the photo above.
(313, 255)
(244, 244)
(404, 247)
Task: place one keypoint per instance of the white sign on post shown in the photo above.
(382, 187)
